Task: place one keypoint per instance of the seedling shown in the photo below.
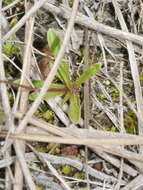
(68, 89)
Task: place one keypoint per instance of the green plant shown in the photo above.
(70, 90)
(10, 47)
(8, 1)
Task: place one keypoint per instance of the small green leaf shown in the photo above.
(38, 83)
(53, 42)
(74, 108)
(53, 94)
(17, 81)
(56, 86)
(50, 94)
(89, 72)
(63, 73)
(33, 96)
(66, 98)
(2, 117)
(13, 22)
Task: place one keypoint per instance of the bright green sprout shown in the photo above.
(68, 89)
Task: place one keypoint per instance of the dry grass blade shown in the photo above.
(5, 100)
(84, 141)
(24, 167)
(136, 183)
(24, 95)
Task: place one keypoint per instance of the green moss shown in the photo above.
(43, 107)
(55, 151)
(108, 128)
(101, 96)
(114, 92)
(78, 175)
(48, 115)
(130, 122)
(41, 149)
(10, 48)
(67, 170)
(13, 23)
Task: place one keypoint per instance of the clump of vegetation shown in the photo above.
(67, 88)
(10, 47)
(45, 113)
(130, 122)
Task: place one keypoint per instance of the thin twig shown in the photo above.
(86, 100)
(84, 141)
(24, 98)
(24, 167)
(5, 99)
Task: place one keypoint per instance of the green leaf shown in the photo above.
(38, 83)
(53, 94)
(66, 98)
(54, 42)
(56, 86)
(13, 22)
(50, 94)
(63, 73)
(74, 108)
(89, 72)
(33, 96)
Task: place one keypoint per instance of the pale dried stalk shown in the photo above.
(116, 150)
(24, 98)
(86, 101)
(76, 132)
(23, 165)
(114, 141)
(136, 183)
(5, 100)
(122, 129)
